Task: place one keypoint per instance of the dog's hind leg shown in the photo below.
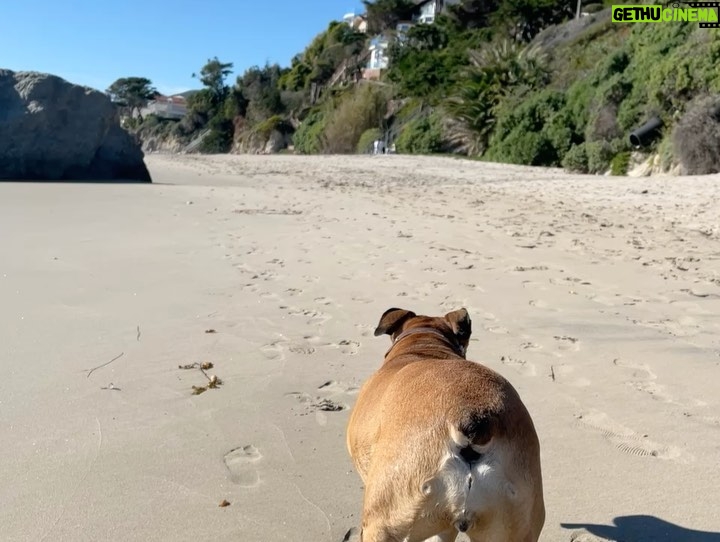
(374, 532)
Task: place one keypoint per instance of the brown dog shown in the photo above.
(443, 445)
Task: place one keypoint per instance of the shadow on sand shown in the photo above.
(644, 529)
(74, 181)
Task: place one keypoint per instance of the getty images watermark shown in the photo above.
(705, 13)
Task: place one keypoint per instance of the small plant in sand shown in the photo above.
(213, 380)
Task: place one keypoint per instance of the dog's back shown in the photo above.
(445, 445)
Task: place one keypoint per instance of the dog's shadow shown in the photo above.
(644, 529)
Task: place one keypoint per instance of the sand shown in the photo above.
(598, 298)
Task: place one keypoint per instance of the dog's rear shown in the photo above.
(486, 480)
(444, 445)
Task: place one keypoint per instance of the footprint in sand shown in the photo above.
(624, 439)
(520, 365)
(314, 316)
(584, 537)
(319, 406)
(449, 304)
(301, 397)
(240, 462)
(293, 291)
(348, 347)
(334, 387)
(565, 342)
(365, 329)
(540, 304)
(272, 351)
(269, 295)
(304, 349)
(563, 374)
(500, 330)
(249, 286)
(316, 404)
(643, 379)
(474, 287)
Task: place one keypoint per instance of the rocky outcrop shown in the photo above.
(254, 142)
(642, 165)
(162, 145)
(53, 130)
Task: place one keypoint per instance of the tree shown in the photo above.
(260, 89)
(213, 75)
(132, 92)
(524, 19)
(495, 73)
(385, 14)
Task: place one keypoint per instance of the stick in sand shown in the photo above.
(104, 364)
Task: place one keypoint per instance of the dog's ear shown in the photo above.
(391, 320)
(461, 325)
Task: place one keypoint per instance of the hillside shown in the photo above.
(521, 82)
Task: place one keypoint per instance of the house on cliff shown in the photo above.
(166, 107)
(425, 12)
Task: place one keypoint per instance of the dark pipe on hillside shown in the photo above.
(646, 133)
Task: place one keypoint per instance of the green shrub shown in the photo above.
(220, 138)
(216, 142)
(422, 135)
(500, 77)
(266, 127)
(599, 155)
(529, 148)
(619, 164)
(308, 138)
(358, 110)
(665, 151)
(560, 130)
(150, 122)
(576, 160)
(529, 133)
(366, 140)
(696, 138)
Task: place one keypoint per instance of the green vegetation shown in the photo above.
(132, 93)
(368, 137)
(338, 45)
(516, 81)
(697, 137)
(620, 163)
(355, 112)
(422, 135)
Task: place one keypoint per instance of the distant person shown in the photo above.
(379, 147)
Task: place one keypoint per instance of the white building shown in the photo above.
(428, 10)
(378, 53)
(357, 22)
(425, 13)
(166, 107)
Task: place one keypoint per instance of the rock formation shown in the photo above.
(53, 130)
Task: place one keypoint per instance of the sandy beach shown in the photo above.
(597, 297)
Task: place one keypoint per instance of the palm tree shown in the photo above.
(494, 73)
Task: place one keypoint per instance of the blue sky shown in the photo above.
(95, 42)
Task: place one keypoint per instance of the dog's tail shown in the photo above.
(472, 438)
(473, 434)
